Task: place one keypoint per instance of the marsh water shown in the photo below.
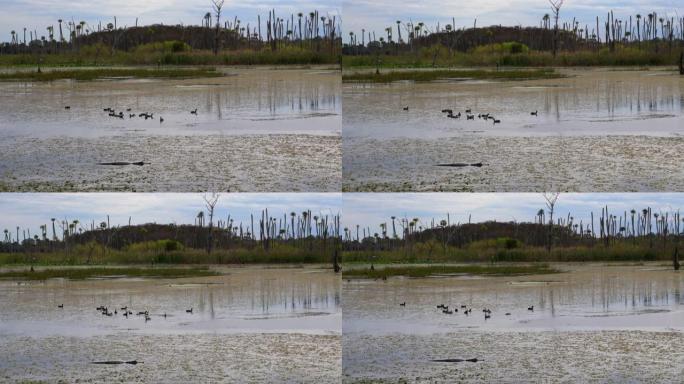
(251, 324)
(271, 128)
(601, 129)
(597, 323)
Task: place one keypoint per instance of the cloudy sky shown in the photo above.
(376, 15)
(39, 14)
(372, 209)
(366, 209)
(31, 210)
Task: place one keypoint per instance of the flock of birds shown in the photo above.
(147, 115)
(469, 115)
(125, 312)
(467, 311)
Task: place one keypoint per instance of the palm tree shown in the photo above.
(61, 36)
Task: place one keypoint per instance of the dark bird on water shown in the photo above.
(194, 112)
(161, 120)
(188, 310)
(535, 113)
(403, 304)
(67, 107)
(530, 308)
(406, 108)
(60, 306)
(497, 121)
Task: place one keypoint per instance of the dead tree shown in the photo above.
(217, 6)
(210, 203)
(551, 199)
(555, 8)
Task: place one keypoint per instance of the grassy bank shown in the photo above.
(159, 54)
(94, 74)
(95, 272)
(482, 56)
(432, 75)
(492, 251)
(433, 270)
(158, 253)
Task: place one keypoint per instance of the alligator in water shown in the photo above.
(121, 163)
(461, 165)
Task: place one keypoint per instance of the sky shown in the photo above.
(29, 210)
(376, 15)
(372, 209)
(39, 14)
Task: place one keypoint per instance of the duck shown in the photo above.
(530, 308)
(449, 111)
(188, 310)
(487, 316)
(161, 119)
(194, 112)
(402, 304)
(67, 107)
(496, 121)
(128, 109)
(470, 117)
(508, 313)
(131, 115)
(406, 108)
(535, 113)
(469, 110)
(60, 306)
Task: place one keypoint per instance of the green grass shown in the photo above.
(487, 56)
(94, 74)
(432, 75)
(147, 254)
(87, 273)
(491, 251)
(160, 53)
(431, 270)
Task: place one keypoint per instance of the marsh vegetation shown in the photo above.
(639, 39)
(636, 236)
(295, 237)
(301, 38)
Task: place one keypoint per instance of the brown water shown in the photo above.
(252, 324)
(250, 121)
(591, 323)
(620, 125)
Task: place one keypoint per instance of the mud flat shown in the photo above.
(591, 323)
(252, 163)
(248, 325)
(514, 164)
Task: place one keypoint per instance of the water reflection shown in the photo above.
(281, 101)
(586, 297)
(587, 102)
(249, 300)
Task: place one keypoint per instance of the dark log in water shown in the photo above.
(473, 360)
(122, 163)
(114, 362)
(461, 165)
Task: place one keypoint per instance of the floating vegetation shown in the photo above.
(102, 272)
(110, 73)
(435, 270)
(432, 75)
